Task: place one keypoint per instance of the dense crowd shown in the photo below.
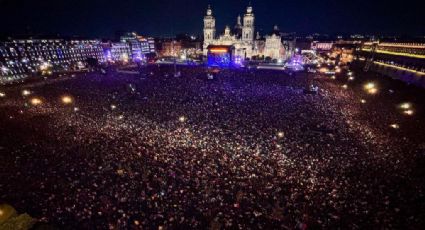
(245, 150)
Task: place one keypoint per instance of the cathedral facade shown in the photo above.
(242, 37)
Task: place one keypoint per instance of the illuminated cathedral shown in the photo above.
(242, 38)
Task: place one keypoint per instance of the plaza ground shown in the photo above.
(247, 150)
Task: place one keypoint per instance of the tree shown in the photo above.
(10, 220)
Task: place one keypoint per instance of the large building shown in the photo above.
(404, 61)
(171, 48)
(139, 45)
(118, 51)
(21, 58)
(243, 38)
(322, 46)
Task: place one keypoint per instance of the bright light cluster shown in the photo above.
(408, 112)
(369, 85)
(395, 126)
(370, 88)
(406, 105)
(182, 118)
(26, 92)
(280, 134)
(67, 100)
(407, 108)
(36, 101)
(44, 66)
(218, 50)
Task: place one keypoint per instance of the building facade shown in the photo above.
(20, 58)
(120, 51)
(139, 45)
(242, 38)
(322, 46)
(403, 61)
(171, 48)
(273, 47)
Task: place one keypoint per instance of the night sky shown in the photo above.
(102, 18)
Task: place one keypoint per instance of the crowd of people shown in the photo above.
(246, 150)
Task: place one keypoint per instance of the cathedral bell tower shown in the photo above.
(209, 29)
(248, 26)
